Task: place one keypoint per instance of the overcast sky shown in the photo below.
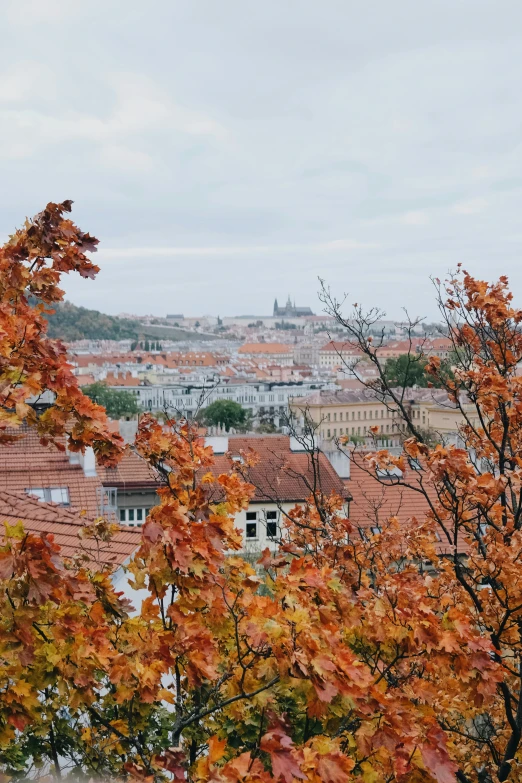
(228, 151)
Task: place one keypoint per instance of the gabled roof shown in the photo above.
(368, 395)
(375, 501)
(65, 525)
(281, 474)
(26, 464)
(264, 348)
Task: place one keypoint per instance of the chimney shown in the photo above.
(219, 444)
(340, 462)
(304, 443)
(128, 429)
(88, 462)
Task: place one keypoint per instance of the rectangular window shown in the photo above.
(251, 524)
(139, 514)
(327, 433)
(58, 495)
(37, 493)
(335, 416)
(358, 414)
(122, 515)
(371, 414)
(271, 524)
(130, 513)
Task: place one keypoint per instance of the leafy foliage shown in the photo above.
(69, 323)
(226, 413)
(411, 370)
(340, 658)
(31, 264)
(118, 404)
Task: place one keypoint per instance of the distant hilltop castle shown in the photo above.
(290, 310)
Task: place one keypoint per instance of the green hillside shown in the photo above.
(79, 323)
(70, 323)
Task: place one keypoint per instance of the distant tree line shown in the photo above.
(70, 323)
(118, 404)
(410, 370)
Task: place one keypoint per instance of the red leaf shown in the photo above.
(6, 565)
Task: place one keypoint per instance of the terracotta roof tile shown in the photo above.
(280, 473)
(26, 464)
(132, 471)
(65, 526)
(374, 502)
(262, 348)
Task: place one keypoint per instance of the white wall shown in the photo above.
(262, 541)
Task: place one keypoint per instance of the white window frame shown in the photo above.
(45, 495)
(252, 521)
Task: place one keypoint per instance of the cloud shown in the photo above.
(22, 81)
(472, 206)
(139, 108)
(125, 159)
(415, 218)
(26, 13)
(347, 244)
(238, 250)
(199, 138)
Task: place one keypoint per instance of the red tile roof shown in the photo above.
(375, 501)
(266, 348)
(281, 474)
(132, 472)
(65, 525)
(26, 464)
(121, 379)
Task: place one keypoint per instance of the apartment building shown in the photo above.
(353, 412)
(76, 482)
(339, 354)
(263, 399)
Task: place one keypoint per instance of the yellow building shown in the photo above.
(353, 412)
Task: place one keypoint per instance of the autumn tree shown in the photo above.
(342, 656)
(473, 493)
